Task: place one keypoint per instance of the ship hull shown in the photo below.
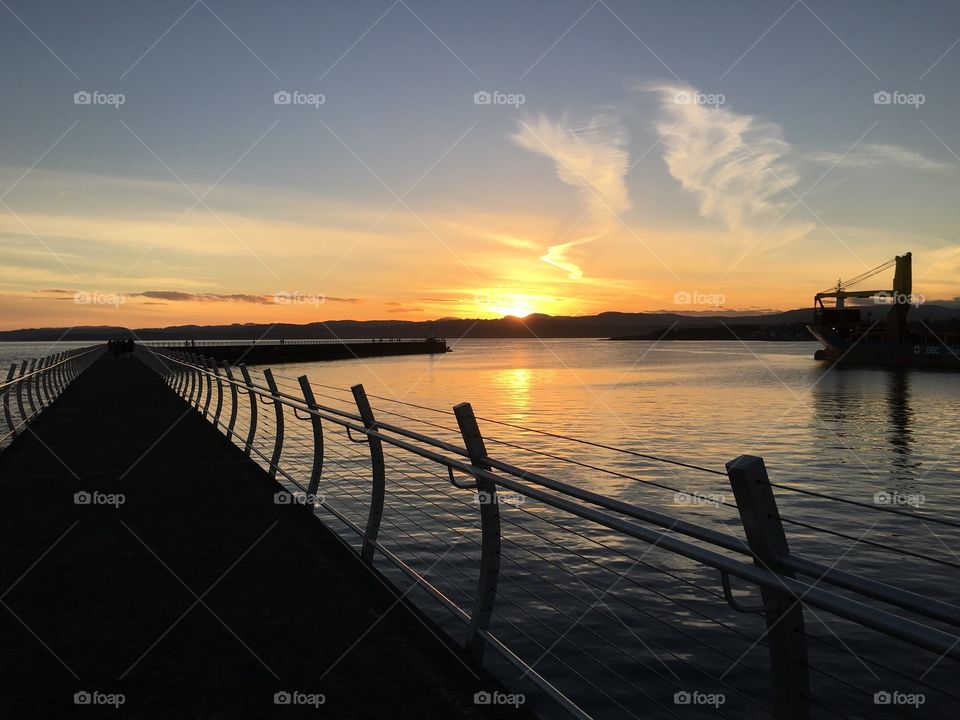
(849, 351)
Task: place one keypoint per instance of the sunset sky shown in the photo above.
(735, 153)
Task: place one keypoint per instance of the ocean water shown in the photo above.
(621, 626)
(16, 352)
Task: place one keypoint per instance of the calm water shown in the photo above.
(650, 623)
(14, 352)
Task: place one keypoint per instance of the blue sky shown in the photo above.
(602, 190)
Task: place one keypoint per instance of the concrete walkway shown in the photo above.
(197, 597)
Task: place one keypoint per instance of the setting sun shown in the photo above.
(499, 303)
(518, 311)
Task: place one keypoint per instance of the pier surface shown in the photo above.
(197, 597)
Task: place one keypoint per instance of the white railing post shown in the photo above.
(20, 383)
(215, 367)
(30, 382)
(205, 375)
(489, 575)
(7, 415)
(233, 400)
(61, 361)
(781, 610)
(42, 398)
(316, 469)
(252, 430)
(378, 488)
(278, 437)
(196, 382)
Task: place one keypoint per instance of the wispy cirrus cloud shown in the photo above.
(878, 155)
(179, 296)
(737, 165)
(166, 296)
(592, 157)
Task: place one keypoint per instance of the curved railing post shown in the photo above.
(378, 487)
(205, 373)
(233, 400)
(30, 381)
(38, 383)
(252, 430)
(783, 613)
(20, 385)
(7, 415)
(51, 376)
(198, 372)
(190, 382)
(215, 366)
(317, 468)
(59, 375)
(184, 375)
(48, 377)
(43, 397)
(278, 438)
(490, 528)
(175, 378)
(172, 377)
(54, 381)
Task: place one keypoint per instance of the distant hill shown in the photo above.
(604, 325)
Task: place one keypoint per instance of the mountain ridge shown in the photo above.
(603, 325)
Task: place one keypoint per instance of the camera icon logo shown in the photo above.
(682, 698)
(81, 498)
(482, 698)
(82, 97)
(682, 297)
(82, 698)
(882, 698)
(282, 698)
(282, 97)
(482, 98)
(882, 498)
(683, 97)
(882, 98)
(282, 498)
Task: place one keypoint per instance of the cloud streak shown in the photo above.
(736, 164)
(167, 296)
(592, 157)
(877, 155)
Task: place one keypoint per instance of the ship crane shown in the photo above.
(839, 315)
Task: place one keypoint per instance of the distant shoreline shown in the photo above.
(783, 326)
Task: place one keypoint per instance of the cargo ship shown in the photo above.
(877, 333)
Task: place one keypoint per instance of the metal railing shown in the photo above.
(176, 344)
(27, 391)
(579, 537)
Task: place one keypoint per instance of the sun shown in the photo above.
(504, 303)
(518, 311)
